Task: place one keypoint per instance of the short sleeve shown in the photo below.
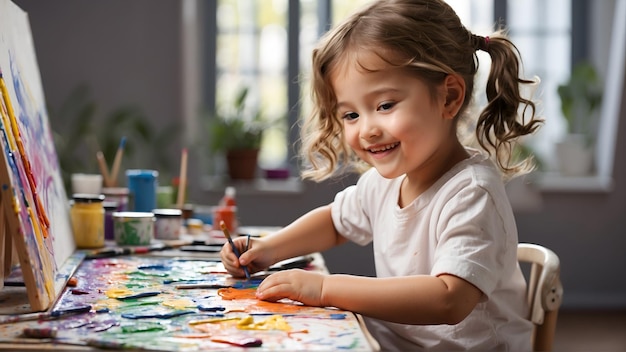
(473, 239)
(350, 214)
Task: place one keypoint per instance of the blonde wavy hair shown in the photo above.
(427, 38)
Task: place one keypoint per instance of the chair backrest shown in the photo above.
(545, 292)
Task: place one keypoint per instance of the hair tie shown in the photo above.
(480, 43)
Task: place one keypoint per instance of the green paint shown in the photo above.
(142, 327)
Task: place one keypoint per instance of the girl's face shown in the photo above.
(391, 120)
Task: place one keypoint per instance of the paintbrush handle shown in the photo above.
(117, 161)
(104, 169)
(232, 245)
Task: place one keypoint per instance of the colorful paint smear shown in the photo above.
(136, 305)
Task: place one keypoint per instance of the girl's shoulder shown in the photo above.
(477, 171)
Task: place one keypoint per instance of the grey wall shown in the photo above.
(128, 51)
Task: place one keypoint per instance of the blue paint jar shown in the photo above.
(142, 186)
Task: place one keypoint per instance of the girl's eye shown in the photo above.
(385, 106)
(351, 116)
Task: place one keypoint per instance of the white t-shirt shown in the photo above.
(462, 225)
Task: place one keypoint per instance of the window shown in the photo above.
(254, 48)
(541, 31)
(251, 52)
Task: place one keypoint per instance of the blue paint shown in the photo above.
(182, 281)
(337, 316)
(204, 308)
(212, 315)
(72, 310)
(247, 284)
(139, 295)
(167, 315)
(265, 313)
(154, 267)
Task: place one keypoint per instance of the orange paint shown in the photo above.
(259, 306)
(72, 282)
(230, 293)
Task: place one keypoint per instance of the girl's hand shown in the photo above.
(255, 257)
(298, 285)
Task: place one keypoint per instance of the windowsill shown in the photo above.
(257, 186)
(555, 182)
(542, 181)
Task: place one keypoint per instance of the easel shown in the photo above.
(35, 230)
(19, 226)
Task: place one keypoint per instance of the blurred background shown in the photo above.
(157, 72)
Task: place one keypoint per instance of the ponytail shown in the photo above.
(499, 126)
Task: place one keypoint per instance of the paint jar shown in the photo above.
(87, 215)
(195, 226)
(87, 183)
(109, 208)
(143, 185)
(165, 197)
(168, 223)
(119, 195)
(133, 228)
(228, 214)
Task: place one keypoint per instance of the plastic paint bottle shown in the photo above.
(87, 215)
(229, 197)
(226, 211)
(143, 185)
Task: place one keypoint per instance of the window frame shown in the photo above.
(581, 38)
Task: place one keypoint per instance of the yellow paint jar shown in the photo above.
(87, 215)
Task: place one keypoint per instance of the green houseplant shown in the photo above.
(88, 129)
(581, 97)
(238, 135)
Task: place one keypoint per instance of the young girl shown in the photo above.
(390, 87)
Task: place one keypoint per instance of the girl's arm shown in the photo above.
(313, 232)
(420, 299)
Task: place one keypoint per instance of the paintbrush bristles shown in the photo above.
(225, 230)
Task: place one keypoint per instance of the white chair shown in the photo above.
(544, 294)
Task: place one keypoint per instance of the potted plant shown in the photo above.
(238, 136)
(580, 99)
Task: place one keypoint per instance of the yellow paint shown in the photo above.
(118, 292)
(48, 276)
(178, 303)
(275, 322)
(5, 117)
(87, 217)
(211, 321)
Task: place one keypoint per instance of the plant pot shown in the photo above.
(242, 163)
(574, 155)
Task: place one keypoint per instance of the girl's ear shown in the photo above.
(454, 86)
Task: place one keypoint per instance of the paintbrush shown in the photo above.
(104, 169)
(45, 315)
(182, 185)
(117, 162)
(119, 251)
(232, 244)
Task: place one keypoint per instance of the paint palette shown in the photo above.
(138, 303)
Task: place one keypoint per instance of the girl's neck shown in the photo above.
(419, 181)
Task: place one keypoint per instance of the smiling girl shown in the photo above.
(391, 86)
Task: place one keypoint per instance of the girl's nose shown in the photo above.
(369, 128)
